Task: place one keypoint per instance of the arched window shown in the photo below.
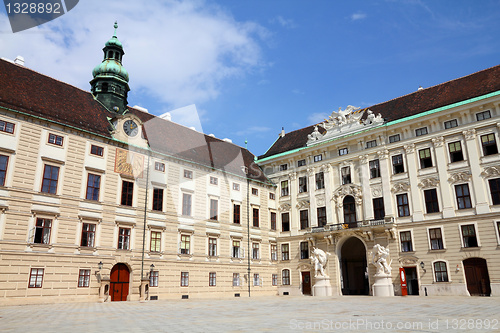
(285, 277)
(349, 209)
(440, 271)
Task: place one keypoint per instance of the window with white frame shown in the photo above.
(88, 235)
(214, 180)
(275, 279)
(450, 123)
(425, 158)
(274, 252)
(212, 246)
(272, 196)
(284, 188)
(345, 175)
(36, 278)
(285, 277)
(489, 144)
(495, 190)
(436, 239)
(343, 151)
(421, 131)
(255, 251)
(397, 164)
(371, 144)
(285, 222)
(374, 169)
(236, 251)
(236, 186)
(283, 167)
(214, 209)
(236, 279)
(456, 153)
(406, 241)
(6, 127)
(320, 180)
(304, 250)
(185, 244)
(50, 179)
(304, 219)
(440, 271)
(184, 279)
(4, 161)
(155, 245)
(212, 276)
(188, 174)
(153, 278)
(285, 251)
(463, 196)
(301, 163)
(55, 139)
(483, 115)
(403, 205)
(394, 138)
(256, 279)
(469, 237)
(96, 150)
(303, 184)
(159, 166)
(83, 278)
(42, 231)
(124, 238)
(318, 158)
(186, 204)
(255, 191)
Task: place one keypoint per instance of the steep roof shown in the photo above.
(470, 86)
(25, 90)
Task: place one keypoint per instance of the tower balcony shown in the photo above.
(366, 224)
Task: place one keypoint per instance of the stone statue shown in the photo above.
(319, 260)
(315, 135)
(371, 119)
(379, 259)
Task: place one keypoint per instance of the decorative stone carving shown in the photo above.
(325, 168)
(493, 171)
(320, 201)
(310, 171)
(409, 148)
(376, 191)
(460, 177)
(469, 134)
(383, 154)
(319, 259)
(408, 261)
(368, 235)
(438, 141)
(314, 136)
(302, 204)
(363, 159)
(372, 119)
(348, 189)
(292, 175)
(285, 207)
(428, 183)
(379, 259)
(400, 187)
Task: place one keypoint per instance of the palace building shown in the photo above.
(100, 201)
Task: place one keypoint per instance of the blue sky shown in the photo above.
(252, 67)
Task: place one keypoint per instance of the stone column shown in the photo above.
(447, 195)
(311, 187)
(294, 190)
(416, 212)
(385, 173)
(364, 175)
(331, 183)
(481, 200)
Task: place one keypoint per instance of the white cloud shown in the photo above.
(178, 52)
(253, 130)
(358, 16)
(286, 23)
(317, 117)
(298, 92)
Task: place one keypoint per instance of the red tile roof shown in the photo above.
(470, 86)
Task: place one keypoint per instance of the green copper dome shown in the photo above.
(114, 42)
(111, 67)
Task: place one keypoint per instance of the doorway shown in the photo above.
(411, 280)
(478, 279)
(354, 267)
(306, 283)
(119, 280)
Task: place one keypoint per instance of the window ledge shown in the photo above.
(437, 250)
(407, 252)
(470, 248)
(41, 245)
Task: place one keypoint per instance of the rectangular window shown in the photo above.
(436, 239)
(304, 250)
(271, 196)
(236, 186)
(153, 278)
(214, 209)
(36, 278)
(343, 151)
(320, 180)
(283, 167)
(50, 177)
(302, 184)
(285, 252)
(285, 222)
(469, 235)
(255, 216)
(4, 161)
(394, 138)
(236, 279)
(318, 158)
(378, 208)
(256, 279)
(301, 163)
(158, 199)
(155, 241)
(96, 150)
(236, 249)
(186, 204)
(321, 216)
(255, 251)
(403, 206)
(56, 139)
(185, 242)
(188, 174)
(236, 213)
(440, 272)
(304, 219)
(84, 278)
(371, 144)
(463, 196)
(127, 193)
(6, 127)
(273, 221)
(184, 279)
(425, 158)
(285, 277)
(214, 180)
(450, 123)
(406, 245)
(88, 235)
(397, 164)
(431, 201)
(274, 252)
(42, 231)
(374, 169)
(346, 175)
(212, 279)
(212, 247)
(421, 131)
(483, 115)
(255, 191)
(495, 190)
(123, 239)
(456, 153)
(275, 279)
(93, 187)
(489, 144)
(159, 166)
(284, 188)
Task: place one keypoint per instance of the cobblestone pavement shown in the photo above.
(262, 314)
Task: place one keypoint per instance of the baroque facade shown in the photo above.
(103, 201)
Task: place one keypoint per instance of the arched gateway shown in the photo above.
(478, 279)
(353, 267)
(119, 279)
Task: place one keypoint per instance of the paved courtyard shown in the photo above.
(262, 314)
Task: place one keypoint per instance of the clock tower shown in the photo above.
(110, 83)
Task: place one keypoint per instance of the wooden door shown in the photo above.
(119, 282)
(306, 283)
(476, 274)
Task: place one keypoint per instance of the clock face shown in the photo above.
(130, 128)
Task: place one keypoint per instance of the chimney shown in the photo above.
(19, 60)
(282, 132)
(420, 88)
